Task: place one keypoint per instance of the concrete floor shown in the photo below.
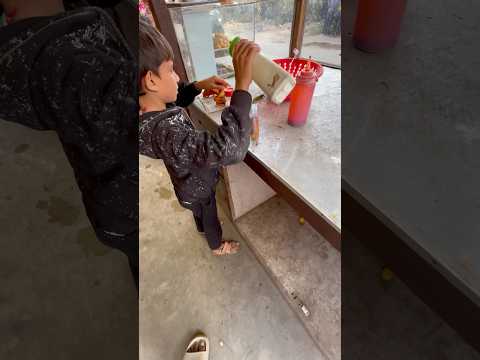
(305, 266)
(183, 288)
(63, 295)
(385, 320)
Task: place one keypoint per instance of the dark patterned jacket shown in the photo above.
(193, 157)
(75, 74)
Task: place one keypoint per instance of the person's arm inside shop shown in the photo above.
(188, 92)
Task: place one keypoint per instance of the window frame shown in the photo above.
(298, 30)
(159, 9)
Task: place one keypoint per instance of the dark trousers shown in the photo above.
(206, 219)
(134, 268)
(131, 250)
(128, 244)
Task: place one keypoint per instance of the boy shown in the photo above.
(192, 157)
(73, 72)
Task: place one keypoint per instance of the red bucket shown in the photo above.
(294, 66)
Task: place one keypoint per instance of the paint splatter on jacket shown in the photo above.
(74, 74)
(191, 156)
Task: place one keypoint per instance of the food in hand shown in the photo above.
(220, 98)
(220, 41)
(210, 92)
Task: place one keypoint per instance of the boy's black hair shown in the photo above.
(154, 49)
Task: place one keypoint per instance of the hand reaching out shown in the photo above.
(213, 82)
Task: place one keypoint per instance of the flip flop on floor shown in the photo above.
(199, 355)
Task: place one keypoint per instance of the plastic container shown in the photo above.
(228, 91)
(295, 66)
(274, 81)
(301, 97)
(378, 24)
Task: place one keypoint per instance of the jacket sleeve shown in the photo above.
(186, 149)
(186, 94)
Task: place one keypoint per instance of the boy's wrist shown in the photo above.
(241, 86)
(197, 86)
(241, 99)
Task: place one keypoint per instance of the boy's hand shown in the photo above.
(243, 55)
(211, 83)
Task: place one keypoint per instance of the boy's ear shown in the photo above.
(150, 82)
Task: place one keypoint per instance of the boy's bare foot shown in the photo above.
(228, 247)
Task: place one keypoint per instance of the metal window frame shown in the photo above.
(298, 30)
(298, 26)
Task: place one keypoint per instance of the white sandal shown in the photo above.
(202, 355)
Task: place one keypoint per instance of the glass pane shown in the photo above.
(267, 22)
(273, 26)
(322, 37)
(228, 22)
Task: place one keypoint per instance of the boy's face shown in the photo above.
(165, 85)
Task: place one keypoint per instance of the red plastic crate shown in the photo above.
(294, 66)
